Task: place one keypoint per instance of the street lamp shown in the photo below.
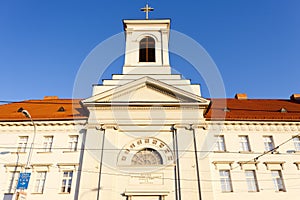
(27, 114)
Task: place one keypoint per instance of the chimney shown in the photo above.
(50, 97)
(295, 97)
(241, 96)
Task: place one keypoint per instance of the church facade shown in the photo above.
(149, 134)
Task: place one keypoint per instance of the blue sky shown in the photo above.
(254, 43)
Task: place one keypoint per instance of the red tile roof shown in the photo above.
(254, 110)
(228, 109)
(46, 109)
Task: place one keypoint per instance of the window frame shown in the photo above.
(47, 145)
(244, 143)
(147, 157)
(12, 181)
(225, 181)
(296, 143)
(147, 49)
(267, 143)
(278, 181)
(252, 183)
(220, 143)
(22, 144)
(66, 181)
(40, 181)
(73, 143)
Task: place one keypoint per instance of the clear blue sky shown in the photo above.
(255, 43)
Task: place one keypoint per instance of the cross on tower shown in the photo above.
(147, 9)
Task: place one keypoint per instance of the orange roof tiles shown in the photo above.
(47, 109)
(228, 109)
(254, 110)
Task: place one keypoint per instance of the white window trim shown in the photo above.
(253, 180)
(244, 143)
(38, 179)
(228, 181)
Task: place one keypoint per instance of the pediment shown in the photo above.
(146, 90)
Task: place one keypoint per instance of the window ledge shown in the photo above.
(220, 151)
(64, 193)
(69, 151)
(16, 152)
(246, 152)
(272, 152)
(36, 193)
(280, 191)
(44, 152)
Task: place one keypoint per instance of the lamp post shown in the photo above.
(27, 114)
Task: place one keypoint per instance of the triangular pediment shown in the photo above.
(146, 90)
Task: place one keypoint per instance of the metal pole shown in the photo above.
(197, 164)
(100, 167)
(175, 158)
(177, 164)
(27, 114)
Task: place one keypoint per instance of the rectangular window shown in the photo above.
(244, 143)
(40, 182)
(278, 180)
(22, 144)
(73, 142)
(297, 143)
(269, 143)
(225, 179)
(221, 143)
(12, 181)
(67, 181)
(251, 181)
(47, 145)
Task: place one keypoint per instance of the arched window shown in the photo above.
(146, 157)
(147, 49)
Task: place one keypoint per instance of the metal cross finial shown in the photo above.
(147, 9)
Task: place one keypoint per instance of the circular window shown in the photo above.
(146, 157)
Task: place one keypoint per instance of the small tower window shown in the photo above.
(147, 49)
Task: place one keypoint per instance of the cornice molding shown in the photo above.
(46, 123)
(255, 126)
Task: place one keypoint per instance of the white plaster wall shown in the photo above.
(45, 161)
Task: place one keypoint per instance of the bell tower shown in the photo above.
(147, 43)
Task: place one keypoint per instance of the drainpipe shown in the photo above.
(191, 128)
(177, 163)
(175, 158)
(101, 161)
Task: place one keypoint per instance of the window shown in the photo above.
(73, 142)
(47, 145)
(221, 143)
(278, 180)
(146, 157)
(251, 181)
(23, 140)
(225, 179)
(147, 50)
(297, 143)
(268, 142)
(244, 143)
(12, 181)
(67, 181)
(40, 182)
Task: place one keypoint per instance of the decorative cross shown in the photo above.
(147, 9)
